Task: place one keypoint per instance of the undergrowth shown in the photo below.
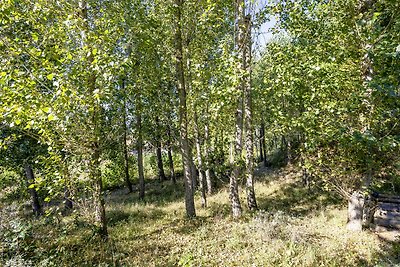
(295, 226)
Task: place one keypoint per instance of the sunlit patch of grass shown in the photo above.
(295, 227)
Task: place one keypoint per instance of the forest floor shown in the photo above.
(294, 227)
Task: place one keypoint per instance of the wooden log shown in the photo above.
(387, 215)
(388, 200)
(383, 196)
(393, 223)
(388, 206)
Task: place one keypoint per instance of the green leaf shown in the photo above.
(51, 117)
(50, 76)
(35, 37)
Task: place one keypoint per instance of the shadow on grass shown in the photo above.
(156, 193)
(292, 196)
(296, 199)
(189, 226)
(220, 210)
(389, 254)
(139, 216)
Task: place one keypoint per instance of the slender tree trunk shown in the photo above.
(125, 145)
(261, 147)
(305, 176)
(30, 179)
(100, 212)
(264, 149)
(94, 169)
(289, 150)
(256, 143)
(251, 196)
(139, 147)
(208, 181)
(68, 205)
(160, 165)
(183, 122)
(126, 164)
(202, 175)
(284, 146)
(206, 156)
(192, 144)
(193, 170)
(237, 164)
(170, 159)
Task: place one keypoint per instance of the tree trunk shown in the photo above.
(139, 146)
(262, 133)
(355, 211)
(237, 157)
(125, 145)
(100, 212)
(170, 159)
(188, 84)
(305, 176)
(193, 170)
(68, 205)
(369, 209)
(356, 217)
(30, 179)
(202, 175)
(289, 151)
(160, 165)
(183, 123)
(209, 181)
(206, 156)
(251, 196)
(284, 147)
(94, 168)
(236, 173)
(261, 147)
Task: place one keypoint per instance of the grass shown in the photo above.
(294, 227)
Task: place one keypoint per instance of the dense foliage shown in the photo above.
(99, 95)
(322, 88)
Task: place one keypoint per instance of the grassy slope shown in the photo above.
(295, 227)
